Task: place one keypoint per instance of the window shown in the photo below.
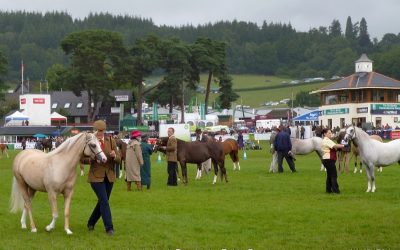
(378, 122)
(344, 97)
(66, 105)
(79, 105)
(378, 95)
(54, 105)
(342, 123)
(394, 96)
(331, 99)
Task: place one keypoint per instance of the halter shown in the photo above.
(351, 135)
(95, 154)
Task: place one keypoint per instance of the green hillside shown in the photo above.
(255, 90)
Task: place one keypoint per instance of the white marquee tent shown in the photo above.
(16, 118)
(57, 117)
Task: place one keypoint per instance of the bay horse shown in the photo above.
(54, 173)
(122, 148)
(231, 147)
(198, 152)
(306, 146)
(4, 149)
(373, 153)
(47, 144)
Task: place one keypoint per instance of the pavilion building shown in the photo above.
(366, 99)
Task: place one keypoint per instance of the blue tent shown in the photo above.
(312, 116)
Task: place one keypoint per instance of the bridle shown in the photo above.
(91, 149)
(351, 136)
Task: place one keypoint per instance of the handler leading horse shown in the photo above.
(197, 152)
(54, 173)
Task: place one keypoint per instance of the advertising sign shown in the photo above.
(182, 131)
(385, 109)
(335, 111)
(38, 101)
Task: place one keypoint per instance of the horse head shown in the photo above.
(160, 143)
(93, 148)
(350, 133)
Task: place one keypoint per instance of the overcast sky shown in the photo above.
(382, 16)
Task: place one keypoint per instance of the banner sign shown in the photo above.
(362, 110)
(335, 111)
(385, 109)
(38, 101)
(150, 117)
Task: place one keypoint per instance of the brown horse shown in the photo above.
(122, 147)
(198, 152)
(231, 147)
(4, 149)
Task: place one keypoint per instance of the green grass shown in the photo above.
(256, 210)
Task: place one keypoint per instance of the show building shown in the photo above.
(366, 99)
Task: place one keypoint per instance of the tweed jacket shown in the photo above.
(172, 149)
(98, 171)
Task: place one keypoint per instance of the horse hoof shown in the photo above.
(23, 226)
(69, 232)
(48, 228)
(33, 230)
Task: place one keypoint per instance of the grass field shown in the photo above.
(255, 210)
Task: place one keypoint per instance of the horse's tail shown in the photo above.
(16, 199)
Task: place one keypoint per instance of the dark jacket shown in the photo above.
(282, 142)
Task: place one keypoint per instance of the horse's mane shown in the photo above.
(69, 143)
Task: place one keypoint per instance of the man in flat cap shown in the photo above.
(102, 177)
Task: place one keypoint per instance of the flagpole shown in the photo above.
(22, 76)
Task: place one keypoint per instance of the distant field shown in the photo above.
(261, 93)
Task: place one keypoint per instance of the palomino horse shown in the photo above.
(54, 173)
(373, 153)
(306, 146)
(231, 147)
(198, 152)
(343, 156)
(4, 149)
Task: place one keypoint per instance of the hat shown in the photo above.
(99, 125)
(135, 133)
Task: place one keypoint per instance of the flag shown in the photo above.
(190, 109)
(22, 77)
(202, 111)
(155, 111)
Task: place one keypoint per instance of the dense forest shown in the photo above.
(269, 49)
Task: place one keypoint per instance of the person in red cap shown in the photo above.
(134, 161)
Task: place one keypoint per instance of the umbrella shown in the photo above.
(39, 136)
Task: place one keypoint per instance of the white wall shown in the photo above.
(37, 107)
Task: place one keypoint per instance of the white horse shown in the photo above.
(373, 153)
(306, 146)
(54, 173)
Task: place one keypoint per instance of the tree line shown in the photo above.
(41, 41)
